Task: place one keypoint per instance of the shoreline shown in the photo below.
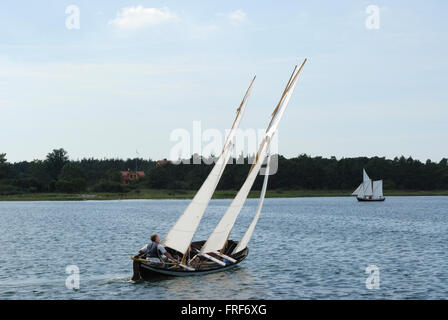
(189, 194)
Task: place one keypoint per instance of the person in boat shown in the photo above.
(154, 250)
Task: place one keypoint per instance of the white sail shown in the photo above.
(218, 237)
(366, 185)
(365, 177)
(361, 193)
(181, 234)
(378, 189)
(246, 238)
(284, 100)
(367, 188)
(220, 234)
(358, 190)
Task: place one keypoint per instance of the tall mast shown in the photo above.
(218, 238)
(181, 234)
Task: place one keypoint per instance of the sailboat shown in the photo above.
(219, 252)
(369, 190)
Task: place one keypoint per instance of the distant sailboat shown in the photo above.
(369, 190)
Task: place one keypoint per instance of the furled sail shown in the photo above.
(181, 234)
(220, 234)
(246, 238)
(378, 189)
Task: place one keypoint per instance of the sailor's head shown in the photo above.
(155, 237)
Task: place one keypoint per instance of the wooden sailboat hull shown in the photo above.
(371, 200)
(150, 270)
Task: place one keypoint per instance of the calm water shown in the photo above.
(303, 248)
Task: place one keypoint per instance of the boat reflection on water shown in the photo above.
(206, 286)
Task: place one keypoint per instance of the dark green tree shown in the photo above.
(55, 161)
(71, 179)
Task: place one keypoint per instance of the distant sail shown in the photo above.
(378, 189)
(358, 190)
(365, 177)
(367, 188)
(367, 184)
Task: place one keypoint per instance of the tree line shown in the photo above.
(57, 173)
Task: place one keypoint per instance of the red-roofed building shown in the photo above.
(128, 176)
(162, 162)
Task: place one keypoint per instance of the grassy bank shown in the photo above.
(188, 194)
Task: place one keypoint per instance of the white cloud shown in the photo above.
(139, 17)
(236, 17)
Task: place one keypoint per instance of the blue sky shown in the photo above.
(137, 70)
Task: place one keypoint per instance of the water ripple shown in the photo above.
(303, 248)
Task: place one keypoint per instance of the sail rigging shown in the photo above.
(181, 234)
(220, 234)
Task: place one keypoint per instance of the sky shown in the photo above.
(135, 71)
